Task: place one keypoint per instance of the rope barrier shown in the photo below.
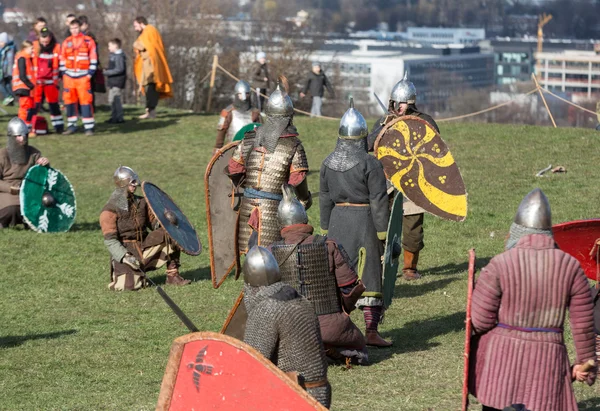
(492, 108)
(485, 110)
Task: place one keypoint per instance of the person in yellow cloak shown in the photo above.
(150, 67)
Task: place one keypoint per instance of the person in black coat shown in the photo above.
(116, 76)
(316, 83)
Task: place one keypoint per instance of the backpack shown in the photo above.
(39, 125)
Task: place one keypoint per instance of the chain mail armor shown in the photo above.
(119, 199)
(239, 118)
(268, 134)
(347, 154)
(283, 327)
(518, 231)
(17, 154)
(306, 268)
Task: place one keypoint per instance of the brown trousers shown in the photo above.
(412, 233)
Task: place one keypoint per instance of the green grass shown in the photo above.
(66, 342)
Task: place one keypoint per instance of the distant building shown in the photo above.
(573, 72)
(15, 15)
(435, 35)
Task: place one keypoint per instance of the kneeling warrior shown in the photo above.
(261, 163)
(15, 160)
(282, 325)
(355, 211)
(236, 115)
(518, 312)
(319, 269)
(125, 221)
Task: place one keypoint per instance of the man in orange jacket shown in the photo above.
(23, 82)
(78, 62)
(46, 53)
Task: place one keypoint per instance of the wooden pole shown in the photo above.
(468, 330)
(212, 81)
(539, 89)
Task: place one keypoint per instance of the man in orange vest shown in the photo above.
(23, 82)
(78, 62)
(46, 53)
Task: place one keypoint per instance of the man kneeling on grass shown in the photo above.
(125, 220)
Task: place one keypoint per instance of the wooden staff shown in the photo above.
(539, 89)
(468, 330)
(213, 73)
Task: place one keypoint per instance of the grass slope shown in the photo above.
(66, 342)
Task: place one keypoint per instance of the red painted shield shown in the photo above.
(577, 238)
(210, 371)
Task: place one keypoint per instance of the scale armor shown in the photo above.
(282, 326)
(306, 268)
(239, 118)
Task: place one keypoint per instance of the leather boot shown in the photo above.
(409, 270)
(376, 340)
(173, 277)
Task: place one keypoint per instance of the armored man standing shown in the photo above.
(518, 312)
(355, 212)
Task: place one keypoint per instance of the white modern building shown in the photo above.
(435, 35)
(571, 71)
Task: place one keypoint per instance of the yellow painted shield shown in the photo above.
(417, 162)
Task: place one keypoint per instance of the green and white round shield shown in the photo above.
(47, 200)
(248, 127)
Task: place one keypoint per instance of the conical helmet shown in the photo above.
(242, 87)
(404, 91)
(17, 127)
(279, 104)
(353, 125)
(124, 176)
(534, 211)
(290, 210)
(260, 268)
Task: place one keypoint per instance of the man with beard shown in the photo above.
(236, 115)
(15, 160)
(319, 269)
(46, 65)
(282, 325)
(264, 160)
(125, 221)
(519, 306)
(403, 103)
(355, 211)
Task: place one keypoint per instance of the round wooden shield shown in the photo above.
(176, 224)
(418, 163)
(47, 200)
(578, 238)
(248, 127)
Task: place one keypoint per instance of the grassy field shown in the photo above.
(66, 342)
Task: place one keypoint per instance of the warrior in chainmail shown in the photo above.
(355, 211)
(282, 325)
(319, 269)
(265, 159)
(125, 221)
(15, 160)
(403, 103)
(236, 115)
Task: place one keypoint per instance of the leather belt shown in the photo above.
(315, 384)
(531, 329)
(351, 205)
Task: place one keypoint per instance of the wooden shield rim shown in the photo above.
(188, 220)
(211, 252)
(404, 118)
(400, 199)
(172, 368)
(26, 220)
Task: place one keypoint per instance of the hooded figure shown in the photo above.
(15, 160)
(353, 189)
(519, 308)
(282, 325)
(265, 159)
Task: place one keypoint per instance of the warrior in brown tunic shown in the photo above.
(236, 115)
(402, 103)
(262, 162)
(125, 221)
(15, 160)
(319, 269)
(519, 307)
